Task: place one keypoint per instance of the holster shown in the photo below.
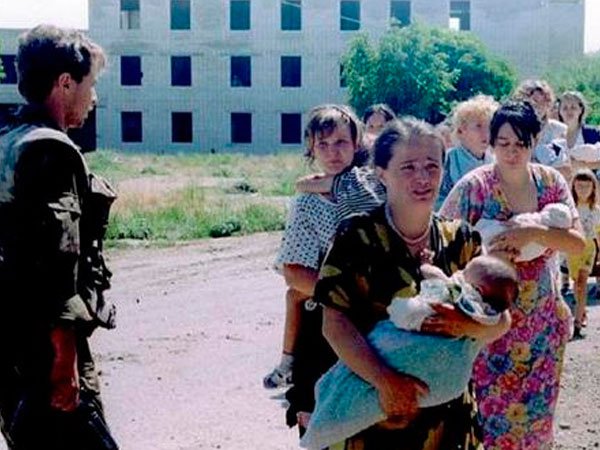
(34, 422)
(94, 277)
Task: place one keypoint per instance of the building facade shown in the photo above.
(239, 75)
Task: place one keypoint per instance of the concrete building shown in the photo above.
(238, 75)
(9, 96)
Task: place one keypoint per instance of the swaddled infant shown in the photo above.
(553, 215)
(346, 404)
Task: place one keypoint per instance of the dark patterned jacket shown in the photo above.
(53, 215)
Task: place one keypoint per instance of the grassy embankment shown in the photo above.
(167, 198)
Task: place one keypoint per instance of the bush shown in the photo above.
(423, 71)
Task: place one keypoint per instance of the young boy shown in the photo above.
(346, 404)
(471, 128)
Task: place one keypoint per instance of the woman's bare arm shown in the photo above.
(300, 278)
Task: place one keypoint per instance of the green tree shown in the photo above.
(583, 75)
(422, 71)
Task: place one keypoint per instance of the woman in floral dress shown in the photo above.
(517, 377)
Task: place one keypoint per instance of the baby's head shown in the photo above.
(494, 279)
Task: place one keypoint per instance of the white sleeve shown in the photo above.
(300, 244)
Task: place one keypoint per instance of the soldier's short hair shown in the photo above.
(47, 51)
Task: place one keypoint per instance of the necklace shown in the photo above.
(411, 242)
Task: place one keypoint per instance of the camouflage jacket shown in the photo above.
(53, 215)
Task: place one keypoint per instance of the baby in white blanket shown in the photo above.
(586, 152)
(346, 404)
(554, 215)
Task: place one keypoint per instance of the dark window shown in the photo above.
(131, 126)
(9, 69)
(131, 70)
(241, 128)
(349, 15)
(291, 15)
(181, 127)
(239, 14)
(291, 71)
(181, 70)
(85, 136)
(343, 80)
(180, 14)
(241, 71)
(460, 15)
(291, 128)
(130, 14)
(7, 110)
(400, 11)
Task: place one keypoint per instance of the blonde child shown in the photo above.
(584, 188)
(471, 129)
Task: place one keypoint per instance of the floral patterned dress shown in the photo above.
(517, 377)
(368, 265)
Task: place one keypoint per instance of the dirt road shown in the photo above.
(200, 324)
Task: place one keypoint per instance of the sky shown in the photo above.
(73, 13)
(28, 13)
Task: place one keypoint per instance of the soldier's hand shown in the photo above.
(64, 377)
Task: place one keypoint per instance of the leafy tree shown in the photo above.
(423, 71)
(581, 75)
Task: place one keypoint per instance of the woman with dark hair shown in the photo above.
(572, 111)
(375, 118)
(376, 257)
(517, 377)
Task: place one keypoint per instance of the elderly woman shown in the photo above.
(517, 377)
(572, 111)
(542, 98)
(374, 258)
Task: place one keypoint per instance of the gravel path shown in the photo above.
(200, 324)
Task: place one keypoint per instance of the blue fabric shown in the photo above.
(591, 135)
(459, 162)
(346, 404)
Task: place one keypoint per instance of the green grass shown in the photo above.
(167, 198)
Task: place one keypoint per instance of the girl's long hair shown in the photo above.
(586, 175)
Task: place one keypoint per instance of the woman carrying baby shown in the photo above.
(375, 258)
(517, 376)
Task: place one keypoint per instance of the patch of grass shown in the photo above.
(152, 170)
(111, 165)
(175, 197)
(194, 213)
(244, 187)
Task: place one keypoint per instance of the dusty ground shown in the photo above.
(200, 324)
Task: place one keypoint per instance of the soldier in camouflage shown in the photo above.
(53, 216)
